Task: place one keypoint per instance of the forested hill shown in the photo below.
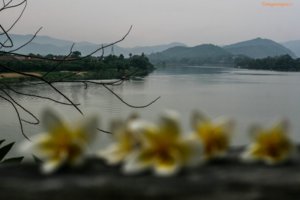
(258, 48)
(198, 55)
(166, 54)
(214, 55)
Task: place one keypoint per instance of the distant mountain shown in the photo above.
(258, 48)
(153, 49)
(48, 45)
(201, 54)
(20, 39)
(294, 46)
(177, 53)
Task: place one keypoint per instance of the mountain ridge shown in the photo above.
(258, 48)
(196, 55)
(49, 45)
(253, 48)
(293, 45)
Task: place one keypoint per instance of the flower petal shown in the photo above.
(51, 166)
(226, 124)
(136, 162)
(35, 146)
(195, 156)
(88, 130)
(283, 125)
(198, 117)
(167, 166)
(248, 155)
(51, 120)
(112, 154)
(169, 124)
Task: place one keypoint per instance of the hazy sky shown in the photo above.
(161, 21)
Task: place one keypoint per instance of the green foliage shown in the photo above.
(109, 67)
(76, 54)
(278, 63)
(92, 67)
(3, 152)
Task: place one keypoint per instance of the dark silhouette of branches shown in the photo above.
(46, 82)
(6, 6)
(37, 121)
(36, 96)
(123, 101)
(18, 115)
(26, 43)
(9, 49)
(7, 40)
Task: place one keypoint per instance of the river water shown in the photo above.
(247, 96)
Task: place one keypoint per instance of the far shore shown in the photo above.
(17, 75)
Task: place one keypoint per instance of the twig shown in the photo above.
(18, 115)
(37, 96)
(23, 108)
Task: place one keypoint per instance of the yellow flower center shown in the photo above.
(213, 137)
(274, 145)
(62, 142)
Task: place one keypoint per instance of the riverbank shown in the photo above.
(109, 67)
(16, 75)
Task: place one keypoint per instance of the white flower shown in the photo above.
(271, 146)
(214, 135)
(162, 148)
(61, 144)
(126, 141)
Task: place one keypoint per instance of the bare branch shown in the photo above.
(37, 96)
(29, 41)
(60, 63)
(6, 5)
(72, 59)
(20, 15)
(23, 108)
(8, 39)
(6, 46)
(130, 105)
(47, 82)
(18, 115)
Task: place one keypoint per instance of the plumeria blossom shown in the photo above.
(162, 149)
(126, 141)
(214, 135)
(271, 146)
(61, 144)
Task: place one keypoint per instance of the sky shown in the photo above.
(155, 22)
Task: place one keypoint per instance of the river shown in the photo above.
(247, 96)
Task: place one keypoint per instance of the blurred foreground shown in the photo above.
(224, 179)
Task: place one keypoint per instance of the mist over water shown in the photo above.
(248, 96)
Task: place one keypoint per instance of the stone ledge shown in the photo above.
(227, 179)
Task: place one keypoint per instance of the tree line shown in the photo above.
(100, 67)
(278, 63)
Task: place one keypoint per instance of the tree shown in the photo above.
(8, 48)
(278, 63)
(76, 54)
